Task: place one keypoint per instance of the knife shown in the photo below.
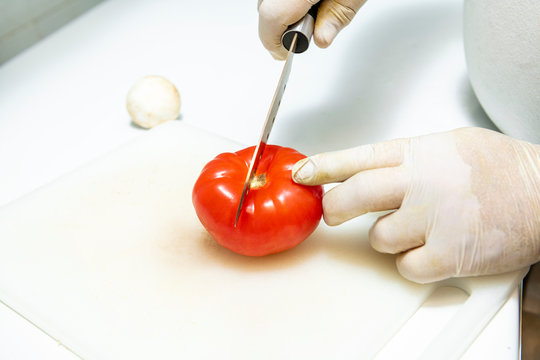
(296, 40)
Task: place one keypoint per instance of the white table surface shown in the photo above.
(398, 70)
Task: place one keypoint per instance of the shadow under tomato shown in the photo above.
(347, 243)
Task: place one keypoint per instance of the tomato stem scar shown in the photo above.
(258, 181)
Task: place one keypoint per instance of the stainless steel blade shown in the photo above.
(268, 124)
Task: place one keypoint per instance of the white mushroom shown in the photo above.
(153, 100)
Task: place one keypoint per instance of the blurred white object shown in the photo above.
(152, 101)
(502, 45)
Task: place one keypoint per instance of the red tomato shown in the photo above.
(277, 214)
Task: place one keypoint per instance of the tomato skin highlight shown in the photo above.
(277, 213)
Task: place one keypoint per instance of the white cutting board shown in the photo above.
(112, 262)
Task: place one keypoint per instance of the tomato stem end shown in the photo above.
(258, 181)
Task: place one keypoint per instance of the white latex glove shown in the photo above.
(468, 200)
(275, 16)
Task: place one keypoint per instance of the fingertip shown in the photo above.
(398, 231)
(303, 171)
(335, 210)
(324, 35)
(329, 214)
(421, 266)
(410, 270)
(380, 237)
(331, 220)
(409, 267)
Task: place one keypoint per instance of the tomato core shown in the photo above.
(258, 181)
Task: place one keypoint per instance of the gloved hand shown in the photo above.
(275, 16)
(468, 200)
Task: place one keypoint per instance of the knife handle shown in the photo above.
(304, 28)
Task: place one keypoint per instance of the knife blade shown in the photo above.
(296, 40)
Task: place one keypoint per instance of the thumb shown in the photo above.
(334, 15)
(423, 265)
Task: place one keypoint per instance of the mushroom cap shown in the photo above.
(153, 100)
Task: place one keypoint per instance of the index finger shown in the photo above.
(340, 165)
(275, 16)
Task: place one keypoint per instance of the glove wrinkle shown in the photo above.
(342, 12)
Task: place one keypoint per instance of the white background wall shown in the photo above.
(24, 22)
